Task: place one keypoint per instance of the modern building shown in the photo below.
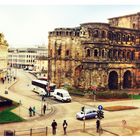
(106, 55)
(25, 57)
(3, 56)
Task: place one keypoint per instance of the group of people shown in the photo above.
(32, 111)
(54, 127)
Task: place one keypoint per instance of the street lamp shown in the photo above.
(19, 106)
(42, 104)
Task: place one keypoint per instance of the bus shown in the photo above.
(42, 87)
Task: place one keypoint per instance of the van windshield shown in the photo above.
(66, 95)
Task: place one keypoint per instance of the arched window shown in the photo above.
(103, 34)
(110, 53)
(67, 52)
(88, 53)
(128, 55)
(95, 33)
(103, 53)
(59, 51)
(95, 53)
(123, 54)
(134, 25)
(132, 55)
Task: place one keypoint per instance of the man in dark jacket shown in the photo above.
(54, 126)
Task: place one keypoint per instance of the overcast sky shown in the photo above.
(26, 25)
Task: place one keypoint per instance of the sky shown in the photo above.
(26, 25)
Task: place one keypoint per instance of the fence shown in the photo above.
(28, 132)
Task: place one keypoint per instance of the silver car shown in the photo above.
(88, 113)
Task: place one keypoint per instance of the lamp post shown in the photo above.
(19, 106)
(42, 104)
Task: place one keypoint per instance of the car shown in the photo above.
(62, 95)
(88, 113)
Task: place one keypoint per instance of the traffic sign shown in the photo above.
(100, 107)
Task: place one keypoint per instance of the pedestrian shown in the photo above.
(14, 78)
(65, 124)
(97, 125)
(54, 127)
(30, 111)
(34, 111)
(44, 108)
(43, 97)
(8, 79)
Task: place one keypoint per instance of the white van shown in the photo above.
(62, 95)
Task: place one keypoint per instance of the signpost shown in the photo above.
(100, 116)
(100, 107)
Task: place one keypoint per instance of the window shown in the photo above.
(88, 53)
(103, 53)
(128, 55)
(59, 51)
(134, 25)
(103, 34)
(95, 53)
(95, 33)
(67, 52)
(58, 93)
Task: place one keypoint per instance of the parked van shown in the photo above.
(62, 95)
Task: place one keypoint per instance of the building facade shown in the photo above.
(25, 57)
(106, 55)
(3, 56)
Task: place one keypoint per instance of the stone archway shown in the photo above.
(113, 80)
(127, 79)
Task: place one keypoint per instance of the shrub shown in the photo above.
(76, 91)
(108, 95)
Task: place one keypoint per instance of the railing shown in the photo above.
(27, 132)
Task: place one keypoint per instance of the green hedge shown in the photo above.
(75, 91)
(99, 95)
(113, 95)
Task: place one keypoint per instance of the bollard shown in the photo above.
(31, 132)
(46, 131)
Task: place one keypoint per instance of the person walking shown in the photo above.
(34, 111)
(97, 125)
(54, 127)
(30, 111)
(44, 108)
(65, 124)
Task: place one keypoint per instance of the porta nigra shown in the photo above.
(105, 55)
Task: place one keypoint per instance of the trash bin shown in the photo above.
(6, 92)
(8, 133)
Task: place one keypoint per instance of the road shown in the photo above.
(111, 123)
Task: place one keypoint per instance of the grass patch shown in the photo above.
(7, 116)
(119, 108)
(135, 96)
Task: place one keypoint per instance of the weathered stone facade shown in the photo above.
(106, 55)
(3, 56)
